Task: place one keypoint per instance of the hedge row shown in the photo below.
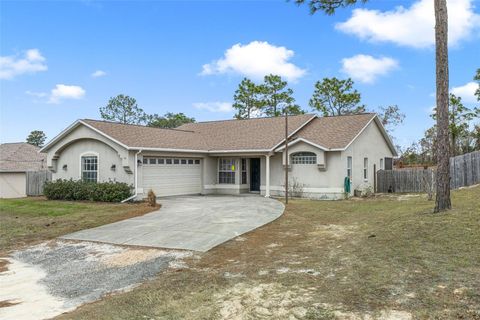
(80, 190)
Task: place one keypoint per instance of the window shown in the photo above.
(168, 161)
(152, 161)
(176, 161)
(183, 161)
(381, 164)
(161, 161)
(197, 161)
(365, 169)
(145, 160)
(244, 171)
(190, 161)
(90, 168)
(349, 167)
(226, 171)
(304, 158)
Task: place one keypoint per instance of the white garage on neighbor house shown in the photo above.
(16, 159)
(227, 156)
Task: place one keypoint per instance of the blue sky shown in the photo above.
(189, 56)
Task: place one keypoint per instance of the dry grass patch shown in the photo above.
(377, 258)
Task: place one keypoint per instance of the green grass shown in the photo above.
(325, 258)
(29, 220)
(38, 208)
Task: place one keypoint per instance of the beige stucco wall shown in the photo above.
(79, 134)
(211, 185)
(107, 157)
(316, 183)
(13, 184)
(370, 144)
(328, 184)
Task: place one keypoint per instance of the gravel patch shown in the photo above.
(73, 273)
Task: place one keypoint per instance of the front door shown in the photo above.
(255, 174)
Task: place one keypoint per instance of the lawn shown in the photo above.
(387, 257)
(30, 220)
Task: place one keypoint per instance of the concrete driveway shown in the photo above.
(196, 223)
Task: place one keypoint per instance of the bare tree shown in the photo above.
(442, 198)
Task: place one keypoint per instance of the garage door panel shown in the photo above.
(172, 179)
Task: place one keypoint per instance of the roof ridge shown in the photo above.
(348, 115)
(258, 118)
(21, 142)
(136, 125)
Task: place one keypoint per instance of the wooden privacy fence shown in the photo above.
(464, 171)
(36, 180)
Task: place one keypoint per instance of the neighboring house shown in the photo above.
(15, 160)
(226, 157)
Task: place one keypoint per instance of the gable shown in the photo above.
(373, 137)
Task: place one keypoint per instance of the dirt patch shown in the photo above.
(334, 230)
(57, 276)
(3, 265)
(263, 301)
(130, 256)
(8, 303)
(382, 315)
(405, 197)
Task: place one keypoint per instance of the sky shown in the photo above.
(62, 60)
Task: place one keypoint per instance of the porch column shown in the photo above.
(267, 176)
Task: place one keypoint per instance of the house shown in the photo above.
(226, 157)
(15, 160)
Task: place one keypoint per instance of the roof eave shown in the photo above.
(291, 143)
(59, 136)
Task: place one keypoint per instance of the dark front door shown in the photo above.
(255, 174)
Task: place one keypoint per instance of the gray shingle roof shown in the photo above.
(258, 134)
(250, 134)
(334, 132)
(21, 156)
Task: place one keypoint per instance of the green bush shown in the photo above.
(79, 190)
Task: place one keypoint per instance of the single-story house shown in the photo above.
(228, 156)
(15, 160)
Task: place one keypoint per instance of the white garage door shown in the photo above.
(172, 176)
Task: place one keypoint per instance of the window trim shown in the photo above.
(89, 154)
(296, 158)
(219, 170)
(382, 164)
(244, 171)
(365, 169)
(350, 167)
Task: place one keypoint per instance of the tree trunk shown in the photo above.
(442, 201)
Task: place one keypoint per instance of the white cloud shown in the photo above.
(413, 26)
(63, 92)
(30, 62)
(256, 60)
(466, 92)
(366, 69)
(36, 94)
(98, 73)
(214, 106)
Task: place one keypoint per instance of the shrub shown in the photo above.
(79, 190)
(151, 198)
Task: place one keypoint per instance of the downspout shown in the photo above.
(136, 177)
